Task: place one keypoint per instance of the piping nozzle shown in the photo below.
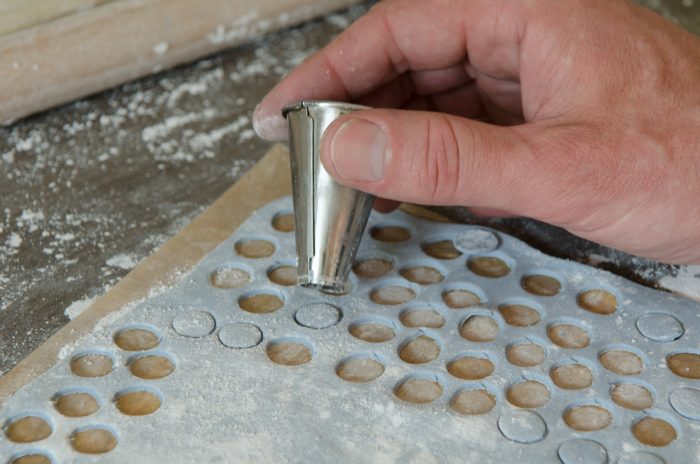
(330, 218)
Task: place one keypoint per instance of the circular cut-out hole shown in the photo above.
(640, 457)
(632, 396)
(76, 404)
(476, 240)
(283, 222)
(471, 367)
(194, 324)
(92, 365)
(459, 298)
(360, 369)
(318, 315)
(28, 429)
(686, 402)
(654, 431)
(137, 402)
(228, 276)
(528, 394)
(261, 303)
(136, 339)
(372, 331)
(621, 362)
(478, 328)
(418, 390)
(572, 376)
(392, 295)
(151, 367)
(581, 451)
(685, 365)
(289, 352)
(488, 266)
(519, 315)
(423, 275)
(422, 317)
(390, 234)
(441, 249)
(473, 401)
(419, 350)
(32, 457)
(541, 285)
(597, 301)
(255, 248)
(284, 275)
(525, 427)
(587, 417)
(526, 354)
(94, 440)
(568, 336)
(240, 335)
(660, 327)
(372, 268)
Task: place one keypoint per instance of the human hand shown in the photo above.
(581, 113)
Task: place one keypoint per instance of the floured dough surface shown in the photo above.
(92, 365)
(360, 370)
(94, 441)
(568, 336)
(471, 368)
(459, 298)
(372, 268)
(392, 295)
(423, 275)
(479, 329)
(622, 362)
(572, 376)
(525, 354)
(78, 404)
(261, 303)
(137, 403)
(289, 353)
(519, 315)
(588, 418)
(28, 429)
(373, 332)
(420, 350)
(151, 367)
(418, 390)
(136, 339)
(471, 402)
(528, 394)
(255, 248)
(632, 396)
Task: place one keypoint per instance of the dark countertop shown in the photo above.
(90, 189)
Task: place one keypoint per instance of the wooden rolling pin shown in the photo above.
(21, 14)
(95, 49)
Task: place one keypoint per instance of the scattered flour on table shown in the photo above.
(77, 307)
(122, 261)
(686, 282)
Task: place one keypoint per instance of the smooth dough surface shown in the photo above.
(597, 301)
(372, 268)
(255, 248)
(479, 329)
(418, 390)
(541, 285)
(372, 332)
(94, 441)
(151, 367)
(587, 418)
(519, 315)
(360, 370)
(528, 394)
(423, 275)
(420, 350)
(442, 249)
(470, 368)
(92, 365)
(568, 336)
(289, 353)
(488, 266)
(631, 396)
(685, 365)
(472, 402)
(261, 303)
(78, 404)
(655, 432)
(525, 354)
(422, 318)
(392, 295)
(136, 340)
(137, 403)
(572, 376)
(283, 222)
(28, 429)
(459, 298)
(390, 234)
(283, 275)
(622, 362)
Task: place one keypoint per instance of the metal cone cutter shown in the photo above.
(330, 218)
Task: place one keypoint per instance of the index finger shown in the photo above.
(392, 38)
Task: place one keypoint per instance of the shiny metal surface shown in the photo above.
(330, 217)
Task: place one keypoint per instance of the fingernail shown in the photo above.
(269, 126)
(358, 149)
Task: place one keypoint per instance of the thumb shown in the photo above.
(430, 158)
